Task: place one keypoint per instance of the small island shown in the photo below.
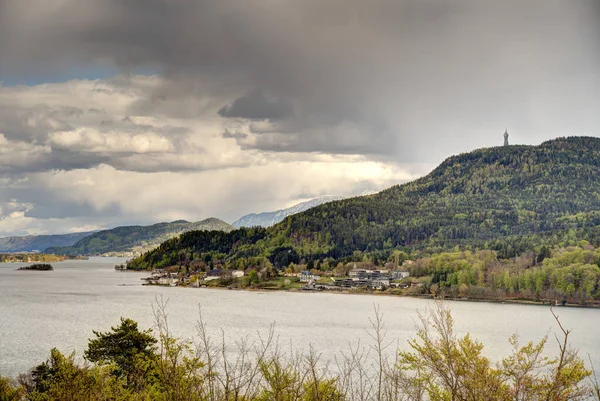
(38, 267)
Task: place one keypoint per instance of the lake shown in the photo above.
(60, 308)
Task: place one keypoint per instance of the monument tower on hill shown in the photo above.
(506, 137)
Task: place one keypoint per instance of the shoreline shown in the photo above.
(546, 303)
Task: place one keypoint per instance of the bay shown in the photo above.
(60, 308)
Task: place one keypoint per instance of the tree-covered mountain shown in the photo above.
(136, 239)
(34, 243)
(509, 199)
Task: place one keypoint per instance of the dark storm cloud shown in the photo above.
(440, 76)
(256, 106)
(400, 80)
(35, 161)
(67, 160)
(234, 135)
(180, 96)
(344, 137)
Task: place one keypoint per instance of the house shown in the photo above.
(379, 284)
(307, 277)
(358, 273)
(365, 274)
(378, 279)
(168, 279)
(160, 277)
(351, 283)
(237, 273)
(213, 274)
(400, 274)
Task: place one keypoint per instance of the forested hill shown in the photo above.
(136, 239)
(511, 199)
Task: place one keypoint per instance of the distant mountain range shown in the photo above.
(136, 239)
(267, 219)
(34, 243)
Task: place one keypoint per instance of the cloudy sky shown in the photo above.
(116, 112)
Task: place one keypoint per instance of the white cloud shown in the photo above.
(74, 168)
(91, 140)
(226, 193)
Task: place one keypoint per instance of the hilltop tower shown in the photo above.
(506, 137)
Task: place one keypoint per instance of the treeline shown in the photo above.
(510, 200)
(564, 275)
(128, 364)
(30, 257)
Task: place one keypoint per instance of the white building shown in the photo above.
(400, 274)
(380, 283)
(307, 277)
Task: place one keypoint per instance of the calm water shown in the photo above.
(41, 310)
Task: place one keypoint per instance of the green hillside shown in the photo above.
(136, 238)
(509, 199)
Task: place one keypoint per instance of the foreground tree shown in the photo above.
(9, 391)
(131, 351)
(61, 379)
(179, 373)
(449, 368)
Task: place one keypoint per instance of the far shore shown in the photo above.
(533, 302)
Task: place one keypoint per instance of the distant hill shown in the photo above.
(268, 219)
(510, 199)
(33, 243)
(136, 239)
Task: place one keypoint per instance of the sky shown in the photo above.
(134, 112)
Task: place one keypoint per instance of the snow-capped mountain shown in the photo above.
(267, 219)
